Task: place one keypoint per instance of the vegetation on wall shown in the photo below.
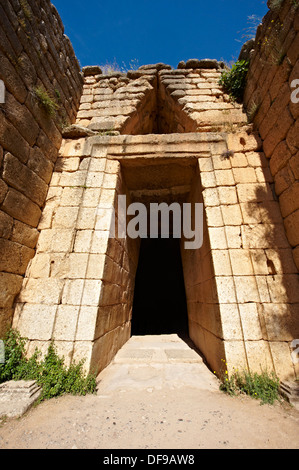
(49, 105)
(233, 81)
(113, 67)
(50, 373)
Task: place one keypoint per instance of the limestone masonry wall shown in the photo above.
(241, 286)
(274, 65)
(157, 99)
(153, 134)
(43, 86)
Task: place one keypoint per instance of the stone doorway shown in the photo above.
(79, 288)
(159, 305)
(197, 320)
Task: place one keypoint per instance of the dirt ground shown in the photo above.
(185, 418)
(156, 394)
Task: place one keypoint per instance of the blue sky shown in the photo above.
(152, 31)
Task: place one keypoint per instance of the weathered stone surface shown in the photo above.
(20, 207)
(182, 65)
(181, 137)
(268, 88)
(22, 119)
(10, 286)
(290, 391)
(17, 397)
(36, 55)
(158, 67)
(101, 125)
(6, 225)
(75, 132)
(20, 177)
(3, 190)
(92, 70)
(24, 234)
(247, 49)
(12, 80)
(133, 74)
(40, 164)
(291, 225)
(203, 64)
(15, 257)
(12, 140)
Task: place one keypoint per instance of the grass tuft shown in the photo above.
(46, 102)
(263, 387)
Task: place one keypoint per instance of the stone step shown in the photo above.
(157, 349)
(130, 377)
(153, 362)
(21, 389)
(16, 398)
(290, 390)
(130, 355)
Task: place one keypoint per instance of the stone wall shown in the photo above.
(274, 65)
(156, 99)
(77, 288)
(241, 285)
(156, 135)
(43, 86)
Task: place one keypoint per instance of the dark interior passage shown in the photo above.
(160, 301)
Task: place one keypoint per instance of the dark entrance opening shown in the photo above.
(160, 305)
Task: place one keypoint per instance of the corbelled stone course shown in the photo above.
(157, 99)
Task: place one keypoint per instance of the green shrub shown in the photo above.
(50, 373)
(14, 356)
(264, 386)
(234, 80)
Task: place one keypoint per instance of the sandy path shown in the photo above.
(165, 419)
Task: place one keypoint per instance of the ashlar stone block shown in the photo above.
(66, 323)
(87, 322)
(65, 217)
(250, 322)
(92, 293)
(241, 262)
(37, 321)
(225, 290)
(73, 291)
(230, 322)
(41, 291)
(247, 290)
(221, 262)
(232, 214)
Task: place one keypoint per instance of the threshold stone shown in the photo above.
(290, 390)
(17, 397)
